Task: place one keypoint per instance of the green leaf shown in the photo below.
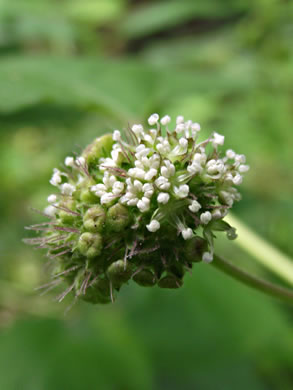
(122, 88)
(158, 16)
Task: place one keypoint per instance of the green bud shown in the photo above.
(94, 219)
(119, 272)
(101, 147)
(145, 278)
(87, 196)
(67, 217)
(118, 218)
(170, 281)
(90, 245)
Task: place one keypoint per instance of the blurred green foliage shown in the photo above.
(72, 70)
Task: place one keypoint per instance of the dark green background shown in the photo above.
(72, 70)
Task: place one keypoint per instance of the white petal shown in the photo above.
(163, 197)
(207, 257)
(153, 226)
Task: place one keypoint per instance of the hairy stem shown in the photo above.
(262, 251)
(252, 281)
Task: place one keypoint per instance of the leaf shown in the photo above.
(123, 88)
(155, 17)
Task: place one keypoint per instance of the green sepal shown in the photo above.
(170, 281)
(145, 278)
(219, 225)
(119, 272)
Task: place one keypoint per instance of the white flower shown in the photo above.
(195, 126)
(80, 161)
(150, 174)
(138, 194)
(237, 179)
(240, 158)
(179, 128)
(165, 120)
(67, 189)
(118, 187)
(143, 204)
(207, 257)
(136, 173)
(200, 158)
(215, 168)
(218, 140)
(69, 161)
(162, 183)
(163, 197)
(163, 146)
(195, 206)
(153, 119)
(230, 153)
(108, 197)
(149, 138)
(181, 191)
(56, 178)
(116, 153)
(105, 163)
(194, 168)
(168, 169)
(138, 131)
(148, 190)
(153, 226)
(187, 233)
(50, 211)
(110, 188)
(216, 214)
(52, 198)
(116, 135)
(141, 151)
(243, 168)
(181, 148)
(205, 217)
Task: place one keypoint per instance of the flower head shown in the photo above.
(142, 207)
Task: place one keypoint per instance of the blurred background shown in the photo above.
(72, 70)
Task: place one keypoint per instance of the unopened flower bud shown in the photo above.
(101, 147)
(94, 219)
(118, 217)
(90, 245)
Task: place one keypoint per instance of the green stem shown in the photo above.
(252, 281)
(262, 251)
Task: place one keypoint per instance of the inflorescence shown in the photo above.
(143, 207)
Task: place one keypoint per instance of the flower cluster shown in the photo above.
(143, 206)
